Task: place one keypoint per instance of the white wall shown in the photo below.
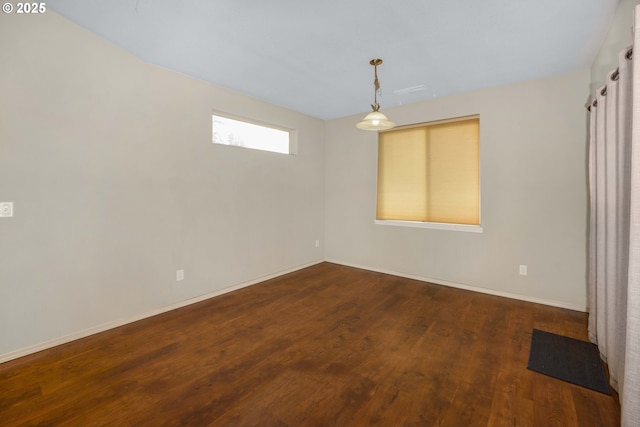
(116, 185)
(534, 195)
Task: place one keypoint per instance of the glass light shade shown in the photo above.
(375, 120)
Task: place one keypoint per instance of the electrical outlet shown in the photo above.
(317, 243)
(6, 209)
(179, 275)
(523, 270)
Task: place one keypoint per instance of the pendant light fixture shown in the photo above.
(375, 120)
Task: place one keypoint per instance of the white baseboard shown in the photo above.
(121, 322)
(559, 304)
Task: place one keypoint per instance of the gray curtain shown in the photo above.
(614, 229)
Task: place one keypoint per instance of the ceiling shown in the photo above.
(313, 57)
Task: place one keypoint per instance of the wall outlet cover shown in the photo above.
(6, 209)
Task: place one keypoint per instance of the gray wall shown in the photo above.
(116, 185)
(534, 195)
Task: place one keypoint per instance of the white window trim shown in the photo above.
(432, 225)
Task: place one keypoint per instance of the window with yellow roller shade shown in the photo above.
(430, 172)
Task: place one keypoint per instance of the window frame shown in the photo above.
(293, 134)
(472, 228)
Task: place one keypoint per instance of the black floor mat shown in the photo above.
(568, 359)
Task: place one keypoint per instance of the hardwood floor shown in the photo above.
(325, 346)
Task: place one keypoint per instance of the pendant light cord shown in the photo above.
(376, 85)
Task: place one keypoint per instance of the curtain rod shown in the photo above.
(614, 77)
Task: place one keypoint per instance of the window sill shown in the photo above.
(432, 225)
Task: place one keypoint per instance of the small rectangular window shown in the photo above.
(240, 133)
(430, 173)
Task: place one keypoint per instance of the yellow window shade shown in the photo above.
(430, 172)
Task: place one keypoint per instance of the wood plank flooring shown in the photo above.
(325, 346)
